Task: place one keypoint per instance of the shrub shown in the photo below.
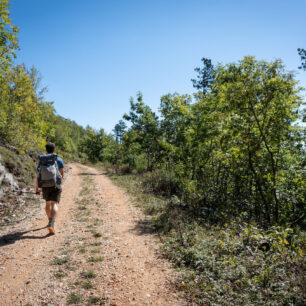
(161, 181)
(239, 263)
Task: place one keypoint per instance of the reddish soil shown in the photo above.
(102, 252)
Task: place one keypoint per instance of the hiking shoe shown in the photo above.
(51, 226)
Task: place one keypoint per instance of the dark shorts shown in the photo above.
(52, 194)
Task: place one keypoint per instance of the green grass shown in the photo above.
(84, 191)
(66, 251)
(83, 201)
(71, 268)
(81, 218)
(95, 259)
(96, 243)
(94, 300)
(96, 234)
(87, 285)
(74, 298)
(60, 260)
(60, 275)
(82, 250)
(95, 251)
(96, 221)
(88, 274)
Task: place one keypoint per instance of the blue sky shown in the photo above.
(95, 54)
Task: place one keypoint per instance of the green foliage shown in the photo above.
(95, 300)
(205, 76)
(60, 275)
(89, 274)
(8, 39)
(244, 146)
(239, 264)
(161, 182)
(302, 54)
(61, 260)
(74, 298)
(27, 121)
(87, 285)
(236, 151)
(230, 264)
(22, 167)
(98, 146)
(145, 130)
(96, 234)
(228, 170)
(119, 131)
(20, 112)
(95, 259)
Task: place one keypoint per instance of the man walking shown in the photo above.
(50, 173)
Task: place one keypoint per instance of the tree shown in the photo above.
(119, 131)
(8, 39)
(21, 122)
(244, 130)
(26, 120)
(205, 76)
(36, 80)
(93, 144)
(146, 126)
(302, 54)
(175, 127)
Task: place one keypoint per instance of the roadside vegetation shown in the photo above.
(228, 263)
(222, 175)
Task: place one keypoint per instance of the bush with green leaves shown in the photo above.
(238, 150)
(239, 264)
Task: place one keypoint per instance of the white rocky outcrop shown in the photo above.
(7, 180)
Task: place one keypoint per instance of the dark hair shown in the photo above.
(50, 147)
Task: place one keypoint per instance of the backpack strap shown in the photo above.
(57, 170)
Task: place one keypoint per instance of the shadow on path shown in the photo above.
(88, 173)
(143, 227)
(11, 238)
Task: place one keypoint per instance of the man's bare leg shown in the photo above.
(48, 208)
(51, 211)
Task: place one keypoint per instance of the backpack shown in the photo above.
(49, 175)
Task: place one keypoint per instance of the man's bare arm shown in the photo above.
(62, 172)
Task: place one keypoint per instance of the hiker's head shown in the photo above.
(50, 147)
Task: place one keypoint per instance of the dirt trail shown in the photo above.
(102, 254)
